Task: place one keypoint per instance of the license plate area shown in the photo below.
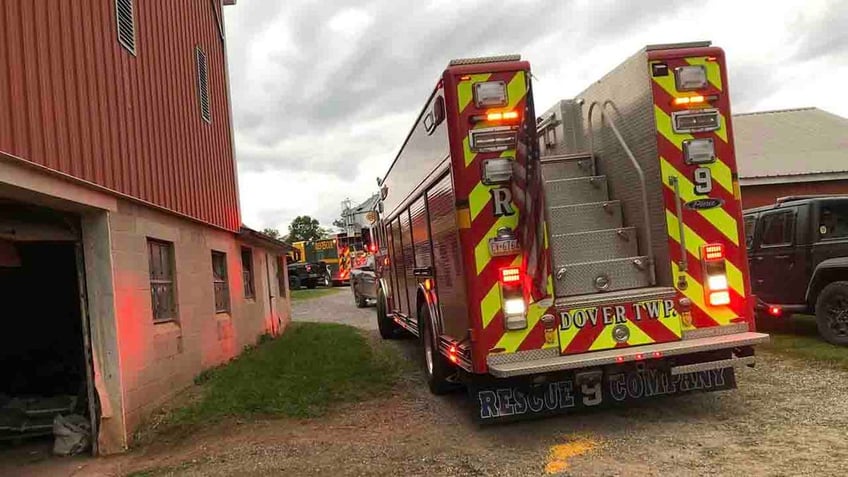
(597, 327)
(499, 247)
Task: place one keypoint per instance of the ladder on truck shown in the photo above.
(596, 256)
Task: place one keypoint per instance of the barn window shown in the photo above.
(125, 13)
(203, 84)
(220, 283)
(247, 272)
(163, 293)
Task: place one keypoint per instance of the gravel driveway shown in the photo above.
(788, 417)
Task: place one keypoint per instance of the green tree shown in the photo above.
(304, 227)
(273, 233)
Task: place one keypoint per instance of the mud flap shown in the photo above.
(502, 400)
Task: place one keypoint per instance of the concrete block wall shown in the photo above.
(159, 359)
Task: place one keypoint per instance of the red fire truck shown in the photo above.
(591, 255)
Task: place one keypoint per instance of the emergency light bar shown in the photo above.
(484, 59)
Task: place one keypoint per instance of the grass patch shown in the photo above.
(312, 367)
(797, 336)
(307, 294)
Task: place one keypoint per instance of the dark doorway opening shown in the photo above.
(42, 354)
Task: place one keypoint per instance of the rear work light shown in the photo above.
(490, 94)
(512, 298)
(715, 274)
(699, 151)
(690, 78)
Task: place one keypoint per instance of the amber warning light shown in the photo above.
(496, 117)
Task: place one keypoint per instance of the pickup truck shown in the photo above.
(798, 254)
(363, 280)
(309, 275)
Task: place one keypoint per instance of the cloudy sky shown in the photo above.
(324, 92)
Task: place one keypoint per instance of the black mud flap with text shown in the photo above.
(500, 400)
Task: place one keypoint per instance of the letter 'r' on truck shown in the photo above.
(597, 248)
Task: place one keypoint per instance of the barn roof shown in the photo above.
(791, 145)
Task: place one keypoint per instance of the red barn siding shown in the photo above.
(75, 101)
(757, 195)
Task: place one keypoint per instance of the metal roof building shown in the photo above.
(789, 152)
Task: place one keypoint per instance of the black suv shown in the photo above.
(798, 254)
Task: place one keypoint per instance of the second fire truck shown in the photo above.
(594, 254)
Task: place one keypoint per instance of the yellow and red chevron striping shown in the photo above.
(722, 224)
(482, 269)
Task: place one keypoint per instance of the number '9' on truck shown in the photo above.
(592, 254)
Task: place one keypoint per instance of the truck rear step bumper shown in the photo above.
(506, 365)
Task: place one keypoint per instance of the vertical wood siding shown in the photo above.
(75, 101)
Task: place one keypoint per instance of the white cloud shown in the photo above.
(324, 93)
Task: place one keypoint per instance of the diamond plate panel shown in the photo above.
(593, 246)
(621, 274)
(567, 169)
(585, 217)
(576, 191)
(623, 296)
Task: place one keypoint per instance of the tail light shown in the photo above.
(309, 268)
(512, 298)
(775, 310)
(715, 273)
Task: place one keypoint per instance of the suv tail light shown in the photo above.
(715, 273)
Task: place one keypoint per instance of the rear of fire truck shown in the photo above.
(641, 215)
(600, 243)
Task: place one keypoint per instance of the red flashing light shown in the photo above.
(453, 358)
(712, 252)
(452, 350)
(774, 310)
(657, 354)
(619, 359)
(510, 275)
(640, 357)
